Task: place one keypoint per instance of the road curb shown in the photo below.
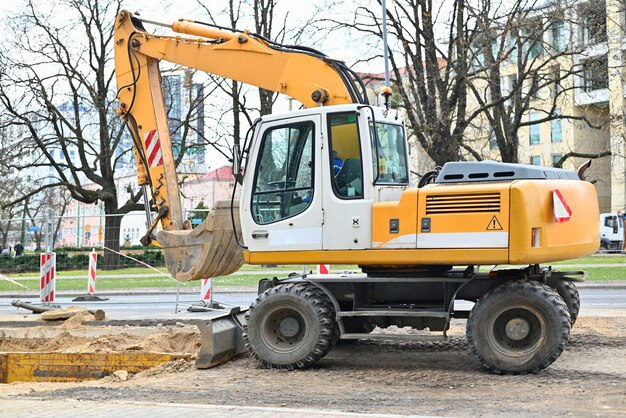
(133, 291)
(605, 284)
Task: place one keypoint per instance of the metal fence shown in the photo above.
(72, 237)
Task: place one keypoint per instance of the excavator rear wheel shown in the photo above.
(290, 326)
(568, 292)
(519, 327)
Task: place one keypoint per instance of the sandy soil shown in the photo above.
(439, 378)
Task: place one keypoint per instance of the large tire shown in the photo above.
(519, 327)
(568, 292)
(290, 326)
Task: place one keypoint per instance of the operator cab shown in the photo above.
(317, 172)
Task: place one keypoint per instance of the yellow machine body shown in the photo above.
(510, 222)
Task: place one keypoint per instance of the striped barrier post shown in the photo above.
(206, 298)
(323, 268)
(47, 274)
(206, 291)
(91, 280)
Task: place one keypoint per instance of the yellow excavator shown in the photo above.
(329, 184)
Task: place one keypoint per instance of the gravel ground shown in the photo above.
(441, 378)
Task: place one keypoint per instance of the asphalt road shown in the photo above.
(594, 302)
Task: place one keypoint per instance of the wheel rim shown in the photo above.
(284, 329)
(517, 331)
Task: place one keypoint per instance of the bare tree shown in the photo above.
(430, 77)
(61, 91)
(462, 67)
(524, 61)
(12, 187)
(268, 23)
(58, 86)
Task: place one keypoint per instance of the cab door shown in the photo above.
(282, 205)
(348, 194)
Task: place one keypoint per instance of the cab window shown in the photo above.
(345, 155)
(391, 166)
(283, 184)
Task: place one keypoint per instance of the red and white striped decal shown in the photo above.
(91, 280)
(323, 269)
(153, 149)
(562, 211)
(47, 274)
(206, 291)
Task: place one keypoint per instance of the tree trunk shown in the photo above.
(5, 233)
(112, 225)
(267, 101)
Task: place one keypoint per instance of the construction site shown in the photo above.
(114, 367)
(326, 269)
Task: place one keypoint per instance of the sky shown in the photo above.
(299, 11)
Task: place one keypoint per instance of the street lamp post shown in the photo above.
(385, 49)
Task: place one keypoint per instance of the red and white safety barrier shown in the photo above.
(323, 269)
(91, 280)
(206, 291)
(47, 273)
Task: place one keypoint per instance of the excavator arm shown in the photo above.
(299, 72)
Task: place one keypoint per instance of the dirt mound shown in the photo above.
(175, 366)
(179, 340)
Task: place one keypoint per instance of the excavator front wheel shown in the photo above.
(290, 326)
(519, 327)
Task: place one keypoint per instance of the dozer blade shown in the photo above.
(222, 339)
(209, 250)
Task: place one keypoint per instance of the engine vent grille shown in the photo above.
(463, 203)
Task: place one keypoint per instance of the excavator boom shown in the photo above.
(301, 73)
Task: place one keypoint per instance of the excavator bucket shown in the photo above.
(209, 250)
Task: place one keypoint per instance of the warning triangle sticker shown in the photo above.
(494, 224)
(562, 212)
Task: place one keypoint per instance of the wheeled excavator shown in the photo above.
(329, 184)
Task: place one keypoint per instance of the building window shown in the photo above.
(534, 38)
(557, 87)
(508, 84)
(596, 74)
(495, 50)
(534, 129)
(556, 128)
(478, 61)
(513, 42)
(535, 160)
(558, 36)
(556, 158)
(593, 22)
(493, 141)
(534, 86)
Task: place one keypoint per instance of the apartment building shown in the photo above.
(590, 97)
(588, 38)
